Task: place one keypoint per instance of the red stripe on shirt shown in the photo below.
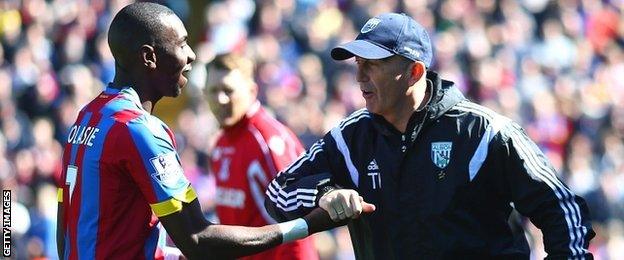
(74, 212)
(172, 136)
(71, 213)
(76, 199)
(126, 115)
(120, 202)
(138, 169)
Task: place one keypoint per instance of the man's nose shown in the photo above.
(191, 55)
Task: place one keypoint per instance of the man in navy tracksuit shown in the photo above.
(443, 172)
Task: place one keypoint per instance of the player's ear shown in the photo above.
(417, 70)
(148, 56)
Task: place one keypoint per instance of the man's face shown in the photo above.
(173, 59)
(383, 83)
(230, 94)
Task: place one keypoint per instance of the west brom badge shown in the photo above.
(441, 153)
(370, 25)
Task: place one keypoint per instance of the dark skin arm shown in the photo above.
(199, 239)
(60, 231)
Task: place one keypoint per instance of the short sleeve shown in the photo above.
(154, 165)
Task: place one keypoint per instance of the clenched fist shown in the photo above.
(344, 204)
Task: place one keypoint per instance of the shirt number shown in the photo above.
(70, 179)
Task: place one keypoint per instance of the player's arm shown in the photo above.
(60, 222)
(60, 231)
(531, 183)
(303, 185)
(199, 239)
(152, 162)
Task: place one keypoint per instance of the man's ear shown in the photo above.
(254, 90)
(148, 56)
(417, 71)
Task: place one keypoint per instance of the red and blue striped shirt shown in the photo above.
(121, 172)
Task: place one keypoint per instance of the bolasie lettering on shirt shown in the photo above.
(82, 135)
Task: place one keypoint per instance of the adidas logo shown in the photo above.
(372, 166)
(373, 172)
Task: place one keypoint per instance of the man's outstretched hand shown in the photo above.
(344, 204)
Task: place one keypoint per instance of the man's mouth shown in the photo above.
(223, 114)
(186, 70)
(367, 94)
(184, 76)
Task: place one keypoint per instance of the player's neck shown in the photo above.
(147, 98)
(148, 105)
(120, 81)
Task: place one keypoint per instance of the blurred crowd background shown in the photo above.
(556, 67)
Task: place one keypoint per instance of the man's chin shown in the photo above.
(176, 91)
(370, 108)
(227, 122)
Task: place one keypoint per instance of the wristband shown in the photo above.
(323, 191)
(293, 230)
(171, 253)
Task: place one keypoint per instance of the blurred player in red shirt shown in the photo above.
(250, 150)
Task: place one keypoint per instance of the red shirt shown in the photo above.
(246, 157)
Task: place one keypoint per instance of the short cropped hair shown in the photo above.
(231, 61)
(137, 24)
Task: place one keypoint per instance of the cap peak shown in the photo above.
(388, 34)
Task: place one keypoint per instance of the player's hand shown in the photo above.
(344, 204)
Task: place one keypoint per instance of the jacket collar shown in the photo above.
(445, 95)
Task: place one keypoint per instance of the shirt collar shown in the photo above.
(253, 109)
(251, 112)
(128, 92)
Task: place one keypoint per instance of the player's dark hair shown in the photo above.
(135, 25)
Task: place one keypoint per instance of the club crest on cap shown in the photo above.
(370, 25)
